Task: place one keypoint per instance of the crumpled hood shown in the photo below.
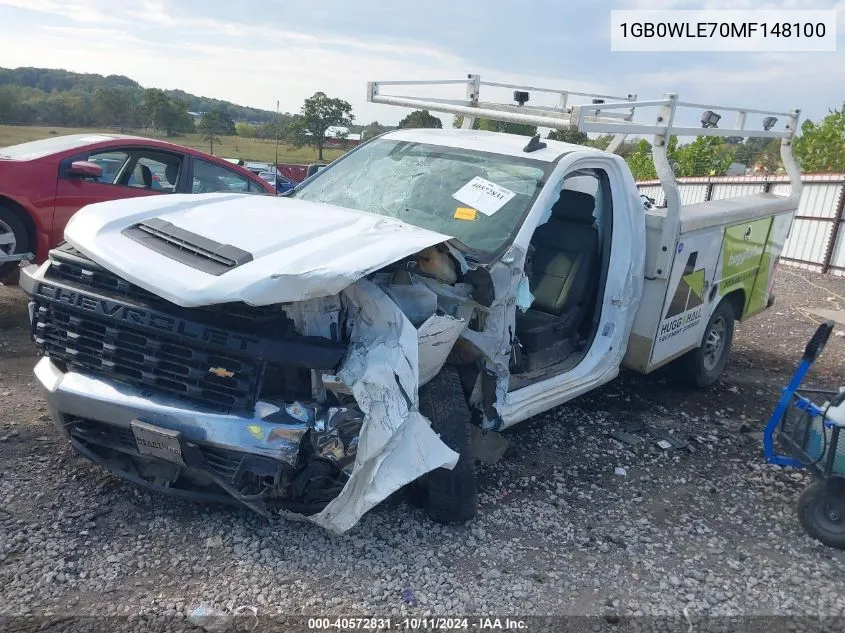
(299, 249)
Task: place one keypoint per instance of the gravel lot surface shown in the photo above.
(559, 532)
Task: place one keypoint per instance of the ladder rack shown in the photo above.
(608, 115)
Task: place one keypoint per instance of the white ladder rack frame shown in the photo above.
(614, 116)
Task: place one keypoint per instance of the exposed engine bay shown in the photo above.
(288, 408)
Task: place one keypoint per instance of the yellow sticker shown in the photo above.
(255, 430)
(465, 213)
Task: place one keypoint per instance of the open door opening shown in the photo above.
(566, 267)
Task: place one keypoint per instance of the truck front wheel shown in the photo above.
(449, 496)
(704, 365)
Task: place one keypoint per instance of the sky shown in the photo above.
(258, 53)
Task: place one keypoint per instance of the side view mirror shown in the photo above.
(84, 169)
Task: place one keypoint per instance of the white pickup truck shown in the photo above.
(314, 353)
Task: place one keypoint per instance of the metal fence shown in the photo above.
(815, 241)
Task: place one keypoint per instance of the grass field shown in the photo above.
(228, 147)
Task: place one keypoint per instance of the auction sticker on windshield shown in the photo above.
(483, 195)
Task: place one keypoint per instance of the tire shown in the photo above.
(14, 238)
(449, 496)
(821, 511)
(704, 365)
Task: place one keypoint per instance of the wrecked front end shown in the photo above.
(306, 407)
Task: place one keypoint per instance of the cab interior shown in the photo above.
(566, 266)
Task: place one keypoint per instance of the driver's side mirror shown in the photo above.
(84, 169)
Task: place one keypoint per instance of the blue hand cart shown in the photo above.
(800, 434)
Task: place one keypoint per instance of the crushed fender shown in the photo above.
(396, 444)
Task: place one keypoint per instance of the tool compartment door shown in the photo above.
(742, 265)
(688, 303)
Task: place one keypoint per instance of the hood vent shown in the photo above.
(187, 248)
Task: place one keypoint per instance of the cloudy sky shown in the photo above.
(256, 53)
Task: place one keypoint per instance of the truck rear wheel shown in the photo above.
(449, 496)
(704, 365)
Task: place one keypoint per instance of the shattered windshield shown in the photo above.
(477, 197)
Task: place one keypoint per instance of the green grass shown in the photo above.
(228, 147)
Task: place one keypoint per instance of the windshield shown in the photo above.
(477, 197)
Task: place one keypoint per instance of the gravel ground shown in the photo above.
(559, 533)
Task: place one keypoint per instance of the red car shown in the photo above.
(43, 183)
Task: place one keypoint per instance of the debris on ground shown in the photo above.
(711, 532)
(409, 597)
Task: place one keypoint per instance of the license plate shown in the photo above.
(157, 442)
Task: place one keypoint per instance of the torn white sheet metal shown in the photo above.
(436, 337)
(495, 339)
(316, 317)
(416, 301)
(396, 445)
(300, 250)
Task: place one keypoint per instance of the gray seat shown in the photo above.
(171, 173)
(143, 176)
(562, 275)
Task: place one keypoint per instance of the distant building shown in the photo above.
(339, 135)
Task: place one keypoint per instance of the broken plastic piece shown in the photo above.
(626, 438)
(524, 298)
(487, 447)
(662, 438)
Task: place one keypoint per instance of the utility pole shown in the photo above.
(276, 163)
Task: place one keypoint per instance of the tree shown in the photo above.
(769, 158)
(65, 109)
(705, 156)
(498, 126)
(319, 113)
(59, 97)
(216, 122)
(508, 128)
(821, 146)
(420, 118)
(640, 162)
(246, 130)
(748, 151)
(163, 113)
(372, 130)
(569, 136)
(114, 107)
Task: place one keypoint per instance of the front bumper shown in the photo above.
(95, 415)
